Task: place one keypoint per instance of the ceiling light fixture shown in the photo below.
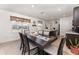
(59, 9)
(33, 6)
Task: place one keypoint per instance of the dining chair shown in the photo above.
(21, 38)
(52, 50)
(61, 45)
(29, 48)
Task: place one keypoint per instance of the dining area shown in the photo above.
(33, 41)
(36, 35)
(39, 31)
(28, 35)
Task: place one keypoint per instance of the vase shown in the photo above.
(75, 50)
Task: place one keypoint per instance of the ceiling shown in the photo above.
(41, 11)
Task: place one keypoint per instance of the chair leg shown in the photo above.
(28, 52)
(21, 46)
(23, 50)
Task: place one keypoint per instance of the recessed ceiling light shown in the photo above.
(59, 9)
(33, 6)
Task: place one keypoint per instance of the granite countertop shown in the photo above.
(72, 32)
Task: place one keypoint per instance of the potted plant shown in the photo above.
(74, 46)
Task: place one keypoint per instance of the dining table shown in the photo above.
(39, 40)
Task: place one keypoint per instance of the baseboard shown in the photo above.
(8, 41)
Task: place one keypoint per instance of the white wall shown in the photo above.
(6, 33)
(65, 25)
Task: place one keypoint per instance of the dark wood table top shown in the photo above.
(39, 41)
